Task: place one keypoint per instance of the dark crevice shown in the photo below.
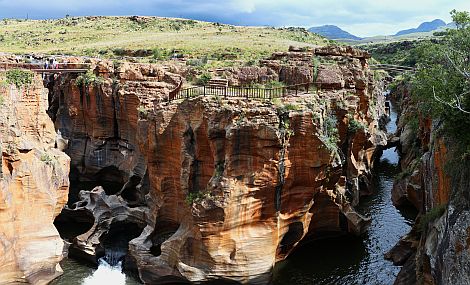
(163, 231)
(71, 224)
(116, 241)
(10, 167)
(132, 190)
(111, 179)
(283, 127)
(293, 235)
(116, 105)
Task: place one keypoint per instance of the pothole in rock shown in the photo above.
(110, 178)
(73, 224)
(162, 233)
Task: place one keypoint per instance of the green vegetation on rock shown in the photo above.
(88, 78)
(19, 78)
(354, 126)
(441, 85)
(430, 216)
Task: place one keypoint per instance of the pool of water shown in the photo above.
(76, 273)
(356, 260)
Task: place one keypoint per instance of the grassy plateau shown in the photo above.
(148, 36)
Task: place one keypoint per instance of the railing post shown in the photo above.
(204, 90)
(225, 93)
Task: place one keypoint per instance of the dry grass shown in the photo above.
(104, 35)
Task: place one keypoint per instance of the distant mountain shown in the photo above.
(424, 27)
(333, 32)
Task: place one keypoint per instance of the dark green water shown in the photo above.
(348, 261)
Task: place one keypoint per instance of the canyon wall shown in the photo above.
(214, 188)
(33, 186)
(435, 181)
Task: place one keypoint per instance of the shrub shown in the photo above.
(88, 78)
(355, 126)
(19, 77)
(204, 78)
(440, 86)
(200, 62)
(430, 216)
(275, 84)
(193, 197)
(285, 108)
(143, 112)
(46, 158)
(331, 136)
(316, 64)
(160, 54)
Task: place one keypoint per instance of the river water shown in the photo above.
(347, 261)
(76, 273)
(342, 261)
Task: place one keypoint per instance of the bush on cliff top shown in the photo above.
(441, 85)
(88, 78)
(19, 77)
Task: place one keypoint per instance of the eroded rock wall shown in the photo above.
(435, 181)
(34, 187)
(226, 187)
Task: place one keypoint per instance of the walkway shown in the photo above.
(37, 67)
(241, 92)
(391, 67)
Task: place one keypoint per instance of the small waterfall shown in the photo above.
(114, 256)
(109, 269)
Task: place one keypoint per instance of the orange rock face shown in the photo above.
(33, 187)
(230, 187)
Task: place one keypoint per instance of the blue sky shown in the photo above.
(361, 17)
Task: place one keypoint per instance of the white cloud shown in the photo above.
(245, 6)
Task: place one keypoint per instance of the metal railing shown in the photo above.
(392, 67)
(240, 92)
(39, 67)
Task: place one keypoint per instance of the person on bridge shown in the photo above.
(54, 64)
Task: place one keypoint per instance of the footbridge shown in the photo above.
(392, 68)
(40, 68)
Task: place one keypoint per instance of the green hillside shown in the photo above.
(159, 37)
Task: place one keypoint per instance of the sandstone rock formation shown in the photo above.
(112, 222)
(33, 187)
(225, 188)
(434, 183)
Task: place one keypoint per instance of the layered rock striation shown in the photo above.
(33, 186)
(435, 181)
(219, 189)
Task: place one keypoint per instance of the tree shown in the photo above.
(441, 85)
(460, 18)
